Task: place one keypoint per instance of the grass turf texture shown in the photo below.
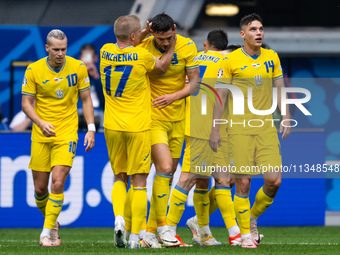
(277, 240)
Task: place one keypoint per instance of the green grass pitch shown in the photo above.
(277, 240)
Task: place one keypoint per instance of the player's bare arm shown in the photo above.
(89, 116)
(286, 130)
(28, 109)
(165, 100)
(147, 30)
(162, 63)
(215, 137)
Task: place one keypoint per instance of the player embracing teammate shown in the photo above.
(144, 119)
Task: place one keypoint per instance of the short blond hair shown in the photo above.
(55, 33)
(126, 25)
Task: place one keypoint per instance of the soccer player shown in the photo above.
(258, 69)
(167, 125)
(198, 153)
(223, 181)
(55, 82)
(127, 118)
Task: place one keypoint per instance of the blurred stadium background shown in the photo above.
(306, 35)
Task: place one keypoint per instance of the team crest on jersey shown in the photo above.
(256, 66)
(258, 80)
(24, 81)
(58, 80)
(220, 73)
(60, 93)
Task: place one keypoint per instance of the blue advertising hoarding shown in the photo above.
(300, 201)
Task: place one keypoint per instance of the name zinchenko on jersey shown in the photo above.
(120, 57)
(207, 58)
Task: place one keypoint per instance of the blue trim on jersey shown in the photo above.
(84, 89)
(241, 196)
(55, 70)
(191, 67)
(164, 175)
(196, 157)
(266, 193)
(181, 190)
(278, 77)
(28, 94)
(253, 57)
(154, 44)
(130, 46)
(147, 156)
(201, 191)
(222, 187)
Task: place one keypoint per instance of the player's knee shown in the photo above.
(57, 186)
(222, 182)
(164, 168)
(40, 191)
(242, 186)
(122, 177)
(202, 183)
(186, 181)
(273, 184)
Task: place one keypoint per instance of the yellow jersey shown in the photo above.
(197, 124)
(126, 87)
(174, 79)
(56, 96)
(258, 73)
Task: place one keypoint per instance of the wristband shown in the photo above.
(91, 127)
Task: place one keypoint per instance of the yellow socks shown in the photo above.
(242, 211)
(118, 196)
(127, 209)
(213, 203)
(226, 205)
(177, 205)
(139, 208)
(143, 227)
(41, 202)
(53, 209)
(262, 201)
(151, 227)
(201, 204)
(160, 195)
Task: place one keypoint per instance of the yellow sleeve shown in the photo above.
(190, 61)
(227, 71)
(277, 68)
(84, 80)
(149, 61)
(144, 43)
(29, 87)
